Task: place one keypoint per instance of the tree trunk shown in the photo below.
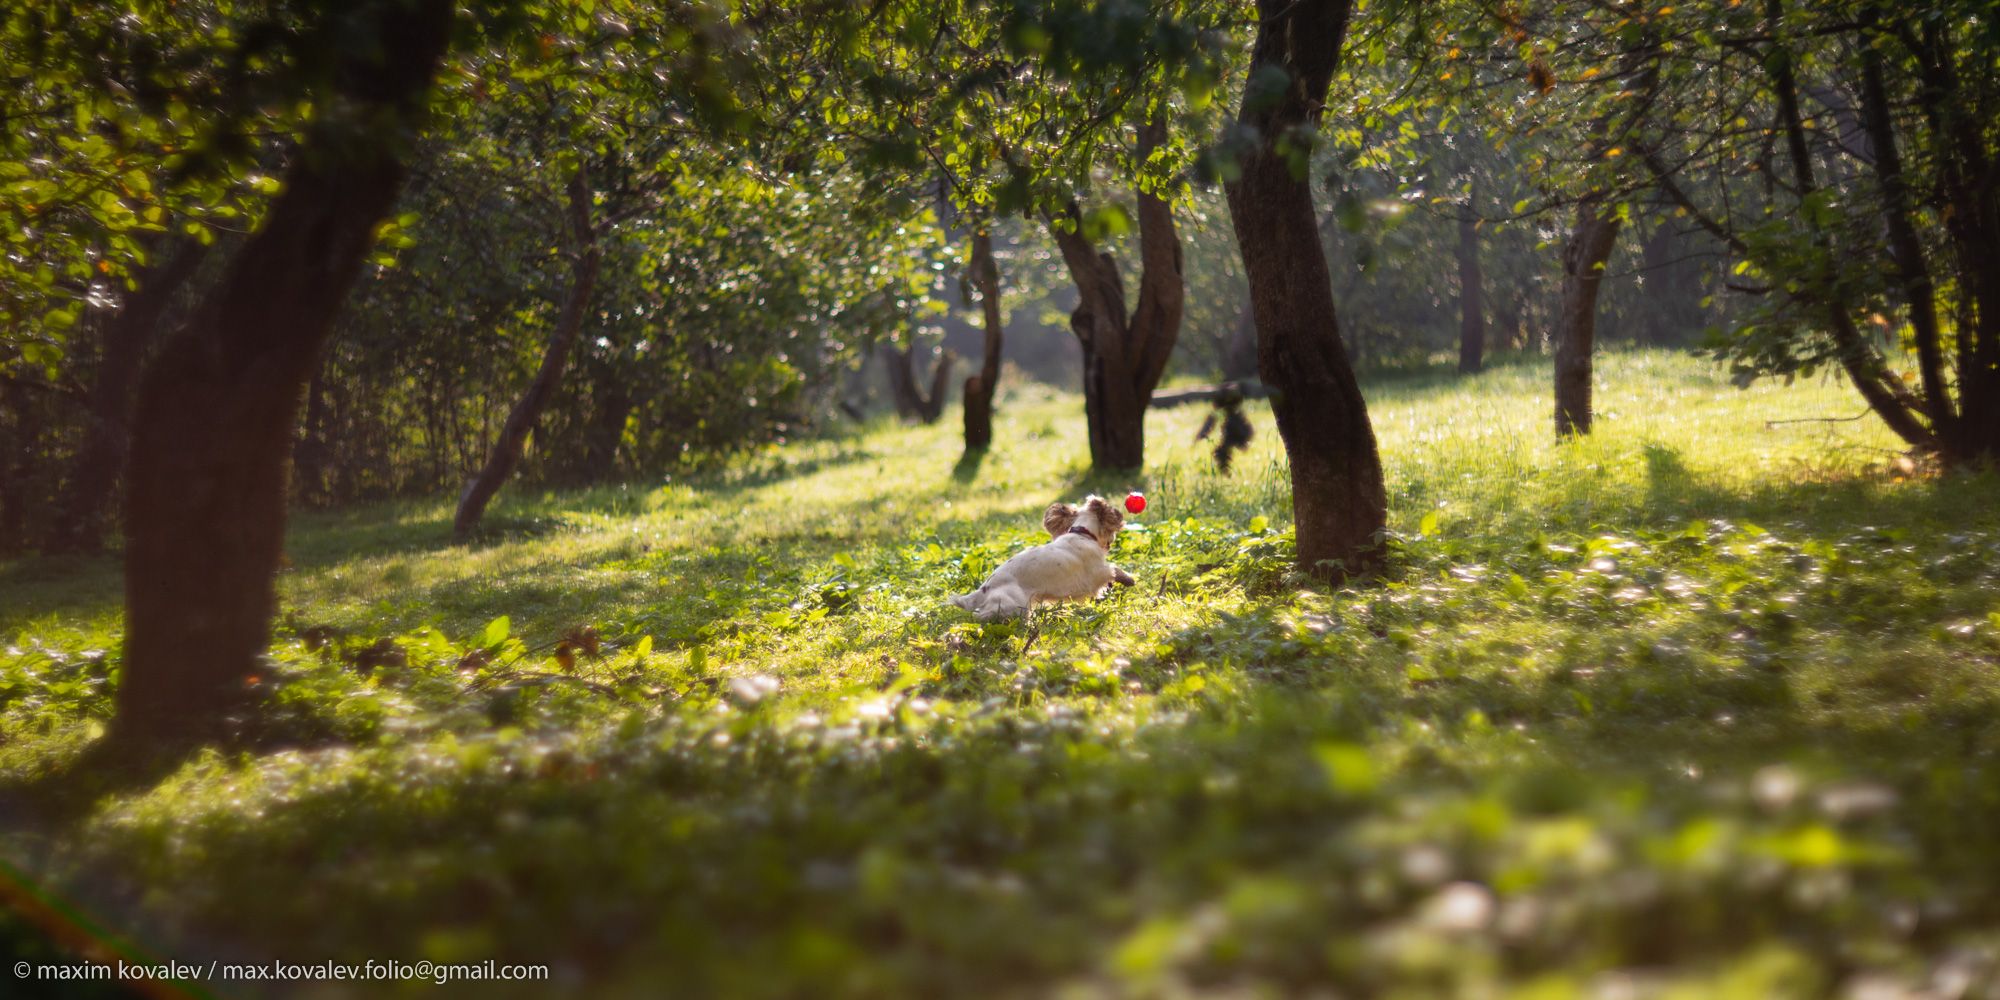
(17, 451)
(1966, 179)
(1913, 274)
(613, 407)
(213, 426)
(979, 388)
(1239, 355)
(506, 453)
(1338, 501)
(911, 401)
(87, 498)
(1671, 286)
(310, 456)
(1471, 297)
(1884, 392)
(1124, 353)
(1590, 246)
(1507, 319)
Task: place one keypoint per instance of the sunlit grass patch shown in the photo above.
(1697, 702)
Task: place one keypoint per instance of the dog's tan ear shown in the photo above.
(1058, 518)
(1110, 517)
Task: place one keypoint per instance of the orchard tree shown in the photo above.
(111, 190)
(215, 413)
(1042, 110)
(1338, 501)
(1835, 227)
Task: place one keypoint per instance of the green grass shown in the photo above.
(1698, 705)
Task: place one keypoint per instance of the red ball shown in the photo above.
(1135, 502)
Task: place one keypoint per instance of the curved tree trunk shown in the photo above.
(506, 453)
(1913, 273)
(213, 426)
(88, 498)
(1124, 353)
(1471, 297)
(979, 388)
(912, 403)
(1589, 248)
(1338, 499)
(1967, 180)
(1964, 167)
(1115, 421)
(1864, 365)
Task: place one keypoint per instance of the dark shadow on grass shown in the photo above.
(967, 468)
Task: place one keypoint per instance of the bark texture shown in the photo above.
(1591, 241)
(507, 448)
(1338, 501)
(216, 410)
(1124, 352)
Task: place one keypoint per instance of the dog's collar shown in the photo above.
(1078, 529)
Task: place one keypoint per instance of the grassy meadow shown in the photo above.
(1707, 704)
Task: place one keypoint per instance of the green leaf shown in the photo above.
(1348, 768)
(495, 633)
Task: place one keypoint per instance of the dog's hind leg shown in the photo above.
(1034, 631)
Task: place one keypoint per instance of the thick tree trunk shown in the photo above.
(1589, 248)
(1471, 297)
(212, 430)
(1338, 499)
(88, 497)
(979, 388)
(506, 453)
(1124, 353)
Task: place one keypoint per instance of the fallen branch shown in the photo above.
(1768, 424)
(1211, 393)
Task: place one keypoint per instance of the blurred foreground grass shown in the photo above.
(1700, 706)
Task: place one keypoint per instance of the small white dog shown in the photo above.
(1072, 566)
